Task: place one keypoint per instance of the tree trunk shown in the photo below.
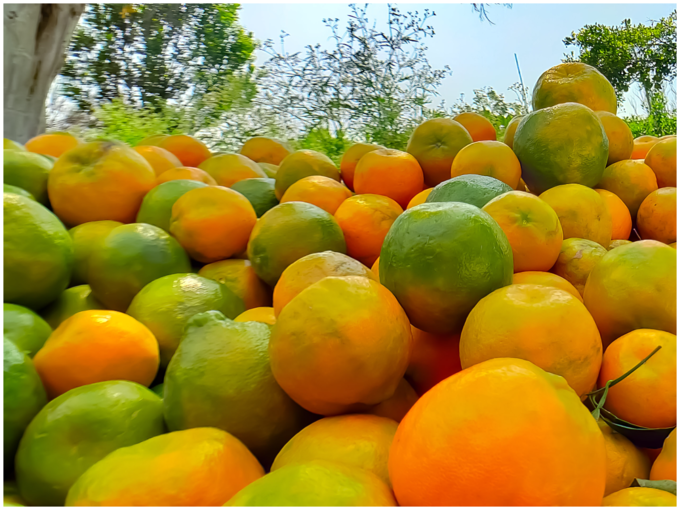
(35, 41)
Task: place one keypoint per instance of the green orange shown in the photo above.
(70, 302)
(630, 180)
(87, 237)
(25, 328)
(8, 144)
(8, 188)
(262, 149)
(510, 130)
(473, 189)
(228, 169)
(28, 171)
(239, 276)
(156, 208)
(303, 163)
(619, 135)
(577, 259)
(259, 192)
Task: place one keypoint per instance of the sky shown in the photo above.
(479, 54)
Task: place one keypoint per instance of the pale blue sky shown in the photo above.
(479, 54)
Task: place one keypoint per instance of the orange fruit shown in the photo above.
(156, 208)
(152, 140)
(651, 453)
(662, 159)
(302, 164)
(547, 279)
(577, 259)
(582, 212)
(341, 343)
(619, 135)
(491, 158)
(618, 242)
(532, 228)
(238, 275)
(212, 223)
(159, 159)
(318, 190)
(86, 239)
(665, 466)
(574, 82)
(202, 466)
(631, 181)
(28, 172)
(647, 397)
(434, 144)
(396, 407)
(656, 216)
(269, 169)
(391, 173)
(310, 269)
(552, 457)
(478, 126)
(99, 181)
(350, 159)
(625, 462)
(544, 325)
(189, 150)
(228, 169)
(261, 314)
(52, 144)
(365, 221)
(621, 220)
(471, 189)
(633, 287)
(433, 359)
(642, 146)
(95, 346)
(640, 496)
(186, 173)
(509, 136)
(420, 198)
(262, 149)
(521, 186)
(375, 269)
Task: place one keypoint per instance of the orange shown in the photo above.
(396, 407)
(318, 190)
(189, 150)
(640, 496)
(339, 344)
(582, 212)
(238, 275)
(544, 325)
(152, 140)
(86, 239)
(365, 221)
(212, 223)
(350, 159)
(433, 359)
(310, 269)
(391, 173)
(625, 462)
(434, 144)
(186, 173)
(662, 159)
(618, 242)
(99, 181)
(547, 279)
(269, 169)
(159, 159)
(262, 314)
(577, 259)
(647, 397)
(509, 136)
(228, 169)
(574, 82)
(52, 144)
(619, 135)
(555, 456)
(633, 287)
(631, 181)
(94, 346)
(478, 126)
(665, 466)
(375, 268)
(531, 226)
(202, 466)
(262, 149)
(622, 223)
(656, 216)
(420, 198)
(642, 146)
(521, 186)
(651, 453)
(302, 164)
(491, 158)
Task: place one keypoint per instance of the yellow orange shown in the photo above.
(656, 217)
(238, 275)
(189, 150)
(301, 164)
(665, 465)
(228, 169)
(547, 279)
(390, 173)
(52, 144)
(640, 496)
(509, 136)
(662, 159)
(631, 181)
(318, 190)
(577, 259)
(625, 462)
(262, 314)
(478, 126)
(619, 135)
(622, 223)
(419, 198)
(350, 159)
(186, 173)
(491, 158)
(262, 149)
(159, 159)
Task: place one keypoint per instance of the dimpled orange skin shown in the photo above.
(350, 159)
(622, 224)
(642, 146)
(577, 259)
(478, 126)
(532, 228)
(396, 407)
(261, 314)
(662, 158)
(99, 181)
(340, 343)
(543, 278)
(228, 169)
(310, 269)
(390, 173)
(433, 359)
(262, 149)
(318, 190)
(544, 325)
(618, 242)
(491, 158)
(619, 135)
(365, 221)
(189, 150)
(52, 144)
(419, 198)
(647, 397)
(301, 164)
(640, 496)
(212, 223)
(187, 173)
(631, 181)
(625, 462)
(546, 450)
(159, 159)
(656, 218)
(196, 467)
(239, 276)
(509, 136)
(94, 346)
(665, 466)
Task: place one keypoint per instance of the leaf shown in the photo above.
(664, 485)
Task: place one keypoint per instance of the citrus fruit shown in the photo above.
(11, 496)
(547, 279)
(228, 169)
(340, 343)
(38, 253)
(8, 188)
(300, 164)
(640, 496)
(509, 136)
(261, 314)
(160, 160)
(375, 269)
(189, 150)
(198, 467)
(239, 277)
(622, 223)
(334, 485)
(631, 181)
(262, 149)
(212, 223)
(220, 376)
(365, 221)
(647, 397)
(25, 328)
(323, 192)
(310, 269)
(70, 302)
(619, 135)
(544, 325)
(491, 158)
(186, 173)
(532, 228)
(563, 144)
(662, 159)
(475, 190)
(269, 169)
(440, 259)
(625, 462)
(396, 407)
(577, 259)
(130, 257)
(99, 181)
(656, 216)
(287, 233)
(665, 465)
(350, 159)
(433, 359)
(165, 306)
(52, 144)
(618, 242)
(152, 140)
(259, 192)
(642, 146)
(574, 82)
(27, 171)
(477, 125)
(79, 428)
(156, 208)
(87, 237)
(633, 287)
(419, 198)
(390, 173)
(434, 144)
(8, 144)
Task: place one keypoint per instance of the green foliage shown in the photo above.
(659, 122)
(321, 140)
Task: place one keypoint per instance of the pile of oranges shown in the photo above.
(469, 322)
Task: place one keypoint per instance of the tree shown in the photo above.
(35, 37)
